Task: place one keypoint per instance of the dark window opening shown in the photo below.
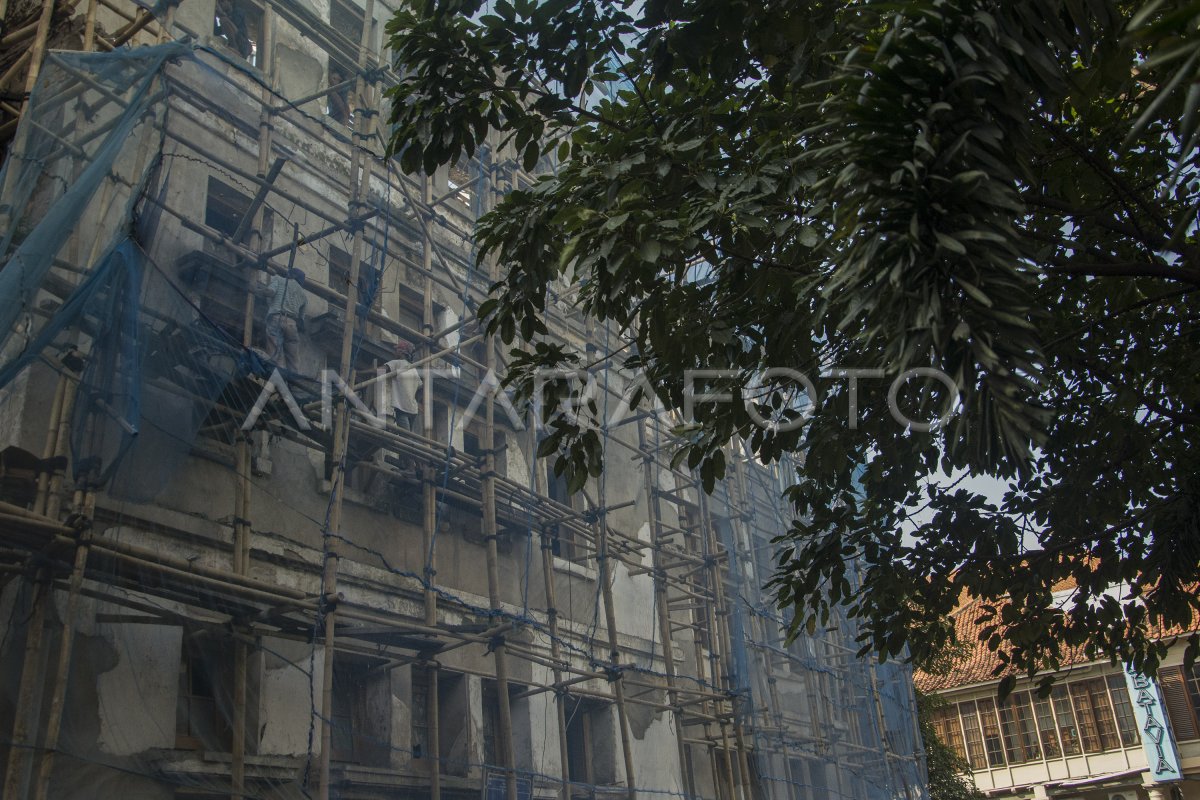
(239, 24)
(346, 20)
(361, 712)
(451, 701)
(368, 279)
(202, 705)
(589, 758)
(420, 712)
(225, 207)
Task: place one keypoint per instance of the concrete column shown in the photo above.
(1158, 791)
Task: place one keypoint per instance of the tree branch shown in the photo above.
(1127, 269)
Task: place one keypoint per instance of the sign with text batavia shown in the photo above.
(1151, 715)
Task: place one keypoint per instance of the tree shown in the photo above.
(949, 777)
(1001, 193)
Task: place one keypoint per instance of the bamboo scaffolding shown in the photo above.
(686, 585)
(66, 644)
(560, 698)
(362, 183)
(30, 690)
(664, 620)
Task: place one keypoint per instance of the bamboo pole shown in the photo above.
(664, 621)
(29, 693)
(39, 48)
(490, 532)
(250, 224)
(764, 656)
(712, 609)
(66, 645)
(54, 498)
(560, 697)
(610, 622)
(429, 486)
(360, 164)
(433, 720)
(43, 478)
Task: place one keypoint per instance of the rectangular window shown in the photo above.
(1126, 725)
(493, 741)
(992, 740)
(1049, 731)
(420, 712)
(1098, 728)
(1181, 694)
(361, 719)
(238, 25)
(565, 542)
(579, 742)
(339, 270)
(473, 439)
(1106, 723)
(339, 278)
(199, 719)
(464, 188)
(1020, 737)
(1068, 730)
(1085, 717)
(224, 207)
(948, 731)
(972, 736)
(346, 22)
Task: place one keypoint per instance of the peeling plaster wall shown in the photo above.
(286, 713)
(137, 696)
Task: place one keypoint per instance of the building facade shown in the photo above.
(267, 526)
(1099, 735)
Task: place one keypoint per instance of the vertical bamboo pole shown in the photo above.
(62, 671)
(89, 27)
(29, 693)
(54, 498)
(614, 653)
(560, 696)
(433, 721)
(43, 478)
(713, 578)
(242, 456)
(654, 511)
(39, 46)
(737, 512)
(764, 635)
(66, 641)
(360, 181)
(429, 490)
(429, 485)
(490, 532)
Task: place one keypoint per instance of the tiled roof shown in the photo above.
(976, 663)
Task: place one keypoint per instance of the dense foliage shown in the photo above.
(1004, 192)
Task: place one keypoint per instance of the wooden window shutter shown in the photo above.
(1179, 705)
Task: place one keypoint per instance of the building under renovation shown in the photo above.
(267, 527)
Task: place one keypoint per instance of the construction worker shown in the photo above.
(405, 382)
(285, 316)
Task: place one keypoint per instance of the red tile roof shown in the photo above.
(976, 663)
